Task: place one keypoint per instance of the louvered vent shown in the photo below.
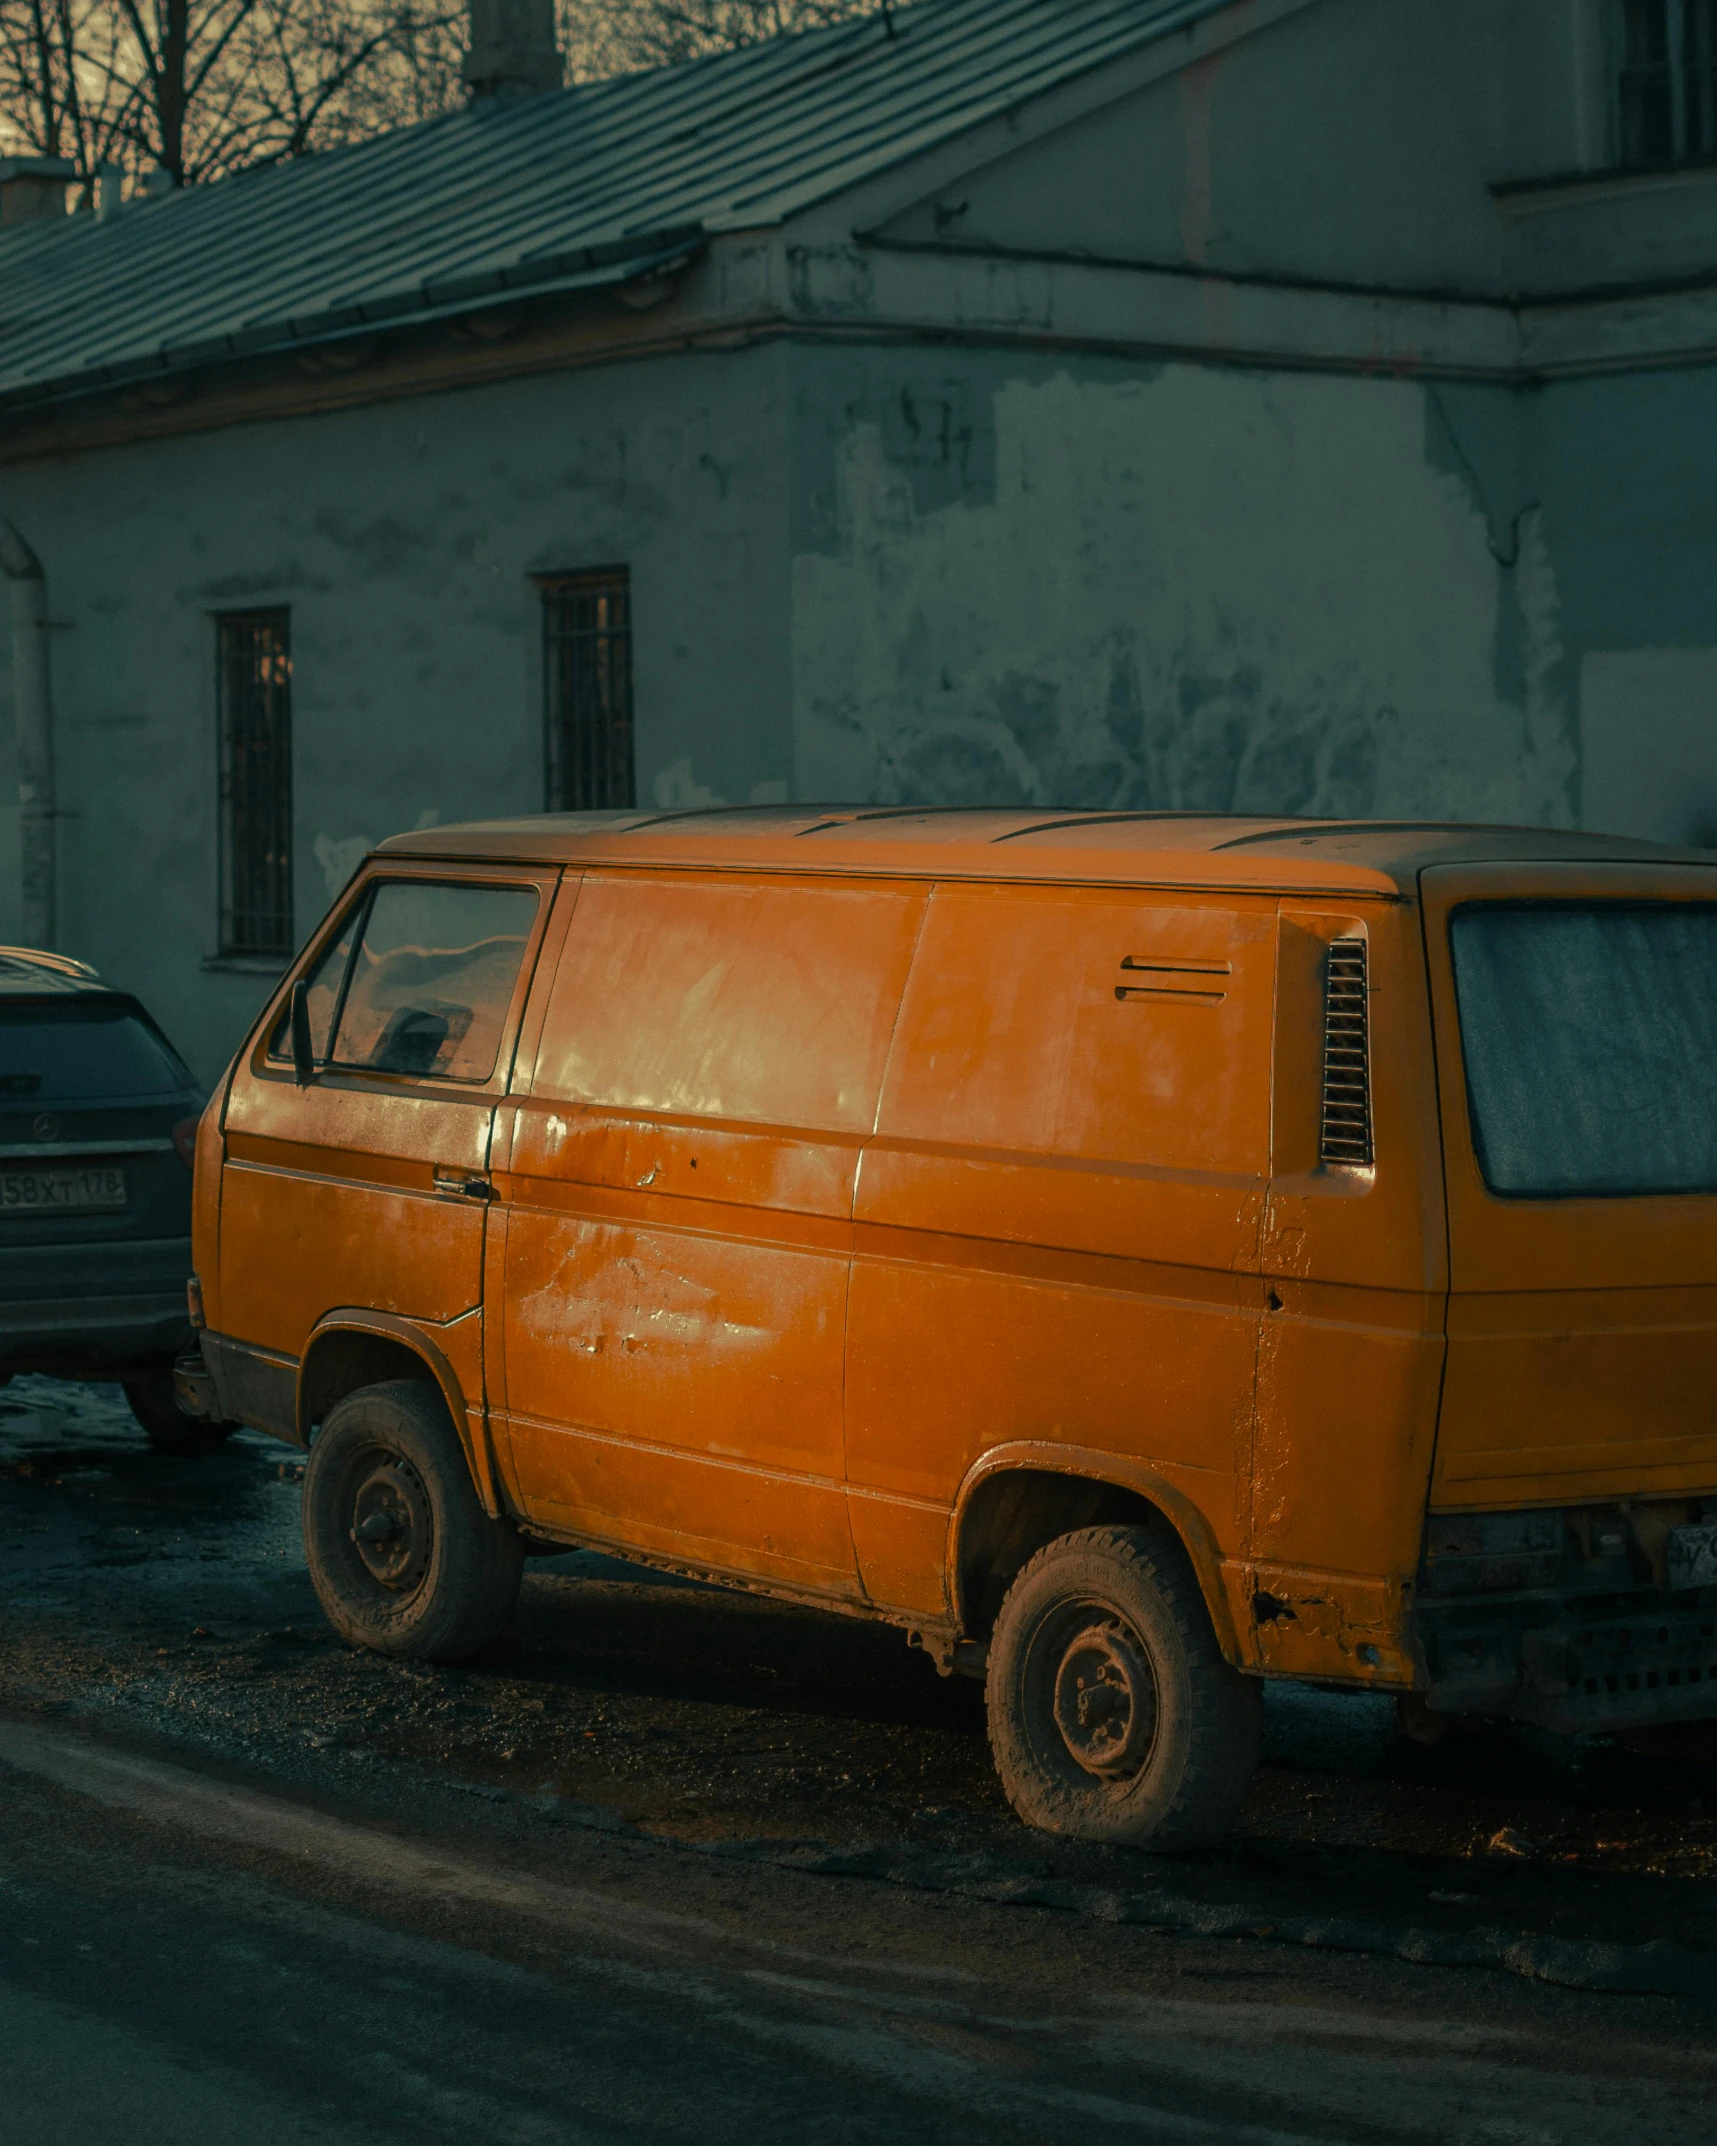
(1346, 1131)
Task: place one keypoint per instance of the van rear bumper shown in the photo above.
(1571, 1665)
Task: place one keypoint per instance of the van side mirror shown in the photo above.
(303, 1050)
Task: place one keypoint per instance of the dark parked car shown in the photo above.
(98, 1121)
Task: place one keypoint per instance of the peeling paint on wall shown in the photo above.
(338, 859)
(677, 789)
(1203, 590)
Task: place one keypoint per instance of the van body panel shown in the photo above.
(1339, 1627)
(330, 1199)
(1177, 1500)
(675, 1345)
(1582, 1331)
(943, 1366)
(1351, 1346)
(1086, 1072)
(452, 1354)
(678, 1192)
(1558, 1395)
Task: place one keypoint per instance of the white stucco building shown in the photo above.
(1297, 405)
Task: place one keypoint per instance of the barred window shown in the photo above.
(587, 683)
(254, 682)
(1667, 82)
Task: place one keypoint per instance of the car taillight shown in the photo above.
(194, 1302)
(185, 1141)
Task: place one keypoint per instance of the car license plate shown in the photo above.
(1693, 1557)
(41, 1192)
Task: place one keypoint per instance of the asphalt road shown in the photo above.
(680, 1864)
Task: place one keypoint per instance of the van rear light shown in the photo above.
(1345, 1132)
(185, 1141)
(194, 1303)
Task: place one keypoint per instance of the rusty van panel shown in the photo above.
(1356, 1259)
(957, 1348)
(670, 1353)
(1582, 1330)
(745, 1001)
(1567, 1396)
(678, 1200)
(1075, 1069)
(309, 1224)
(1059, 1218)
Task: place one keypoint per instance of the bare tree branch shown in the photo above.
(197, 88)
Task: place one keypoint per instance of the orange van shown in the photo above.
(1137, 1254)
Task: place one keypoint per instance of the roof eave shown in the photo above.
(604, 268)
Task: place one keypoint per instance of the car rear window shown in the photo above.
(1589, 1034)
(70, 1050)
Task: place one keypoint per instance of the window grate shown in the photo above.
(254, 686)
(1345, 1133)
(1667, 82)
(587, 684)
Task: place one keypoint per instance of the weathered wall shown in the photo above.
(1628, 468)
(1083, 583)
(403, 538)
(1347, 141)
(1080, 582)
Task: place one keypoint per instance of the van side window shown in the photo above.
(762, 1001)
(432, 978)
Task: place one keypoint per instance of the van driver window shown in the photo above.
(432, 979)
(323, 982)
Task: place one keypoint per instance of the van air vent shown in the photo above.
(1345, 1135)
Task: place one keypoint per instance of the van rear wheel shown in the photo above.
(1113, 1715)
(401, 1553)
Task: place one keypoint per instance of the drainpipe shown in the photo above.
(33, 720)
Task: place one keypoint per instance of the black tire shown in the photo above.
(152, 1401)
(433, 1578)
(1113, 1715)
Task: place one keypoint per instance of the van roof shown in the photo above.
(1292, 856)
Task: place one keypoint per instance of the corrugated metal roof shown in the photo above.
(591, 185)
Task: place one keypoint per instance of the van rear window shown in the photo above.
(73, 1050)
(1589, 1033)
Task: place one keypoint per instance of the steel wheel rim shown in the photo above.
(391, 1524)
(1102, 1692)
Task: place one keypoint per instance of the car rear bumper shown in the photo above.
(93, 1307)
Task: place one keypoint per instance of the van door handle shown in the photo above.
(470, 1188)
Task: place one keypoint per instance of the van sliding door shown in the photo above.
(678, 1193)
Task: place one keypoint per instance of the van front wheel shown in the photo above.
(1113, 1715)
(401, 1553)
